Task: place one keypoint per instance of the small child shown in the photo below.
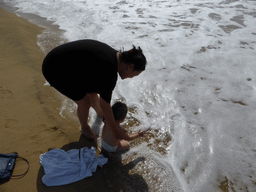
(109, 142)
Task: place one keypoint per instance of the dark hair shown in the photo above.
(119, 110)
(134, 56)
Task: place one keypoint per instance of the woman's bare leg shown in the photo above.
(82, 113)
(95, 103)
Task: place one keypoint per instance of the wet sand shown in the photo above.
(30, 123)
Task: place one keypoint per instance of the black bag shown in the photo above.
(7, 163)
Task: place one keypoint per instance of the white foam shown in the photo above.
(199, 85)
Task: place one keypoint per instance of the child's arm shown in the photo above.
(134, 136)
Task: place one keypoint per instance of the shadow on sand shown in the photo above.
(112, 177)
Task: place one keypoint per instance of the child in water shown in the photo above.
(109, 142)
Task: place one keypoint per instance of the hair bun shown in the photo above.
(135, 56)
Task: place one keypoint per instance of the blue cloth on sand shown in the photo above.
(63, 168)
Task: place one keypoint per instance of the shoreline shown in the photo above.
(30, 123)
(50, 37)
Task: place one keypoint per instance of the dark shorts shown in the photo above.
(65, 82)
(74, 67)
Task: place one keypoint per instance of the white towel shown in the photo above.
(63, 168)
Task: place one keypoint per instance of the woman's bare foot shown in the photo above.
(87, 132)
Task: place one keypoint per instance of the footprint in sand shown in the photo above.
(6, 94)
(10, 123)
(52, 133)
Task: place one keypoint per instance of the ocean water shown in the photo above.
(198, 93)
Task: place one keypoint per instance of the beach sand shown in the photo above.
(30, 123)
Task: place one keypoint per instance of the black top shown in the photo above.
(81, 67)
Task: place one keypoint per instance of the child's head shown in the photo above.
(120, 111)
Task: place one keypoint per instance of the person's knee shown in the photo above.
(94, 94)
(127, 145)
(94, 98)
(123, 145)
(85, 102)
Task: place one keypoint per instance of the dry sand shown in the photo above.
(29, 120)
(30, 123)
